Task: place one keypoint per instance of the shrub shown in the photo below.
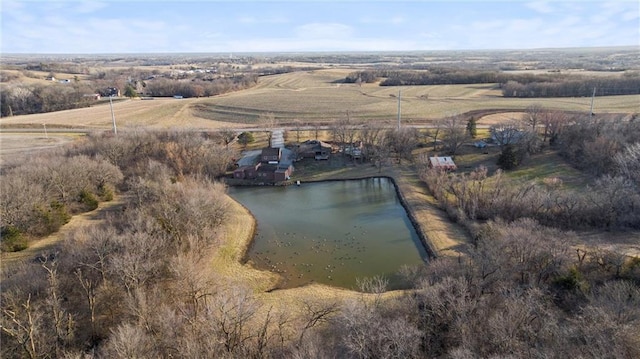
(105, 192)
(88, 199)
(49, 220)
(12, 240)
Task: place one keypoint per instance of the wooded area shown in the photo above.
(140, 285)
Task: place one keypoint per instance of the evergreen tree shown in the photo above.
(245, 138)
(472, 129)
(130, 91)
(508, 159)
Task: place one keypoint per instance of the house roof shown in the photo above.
(249, 158)
(441, 162)
(270, 151)
(287, 157)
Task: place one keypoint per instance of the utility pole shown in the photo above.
(113, 117)
(399, 107)
(592, 98)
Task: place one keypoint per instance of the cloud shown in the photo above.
(87, 7)
(542, 7)
(324, 31)
(274, 19)
(393, 20)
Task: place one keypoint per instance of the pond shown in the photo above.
(331, 232)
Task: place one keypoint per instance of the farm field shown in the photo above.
(318, 96)
(310, 96)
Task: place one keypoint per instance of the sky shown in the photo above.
(210, 26)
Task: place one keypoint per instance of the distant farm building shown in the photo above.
(442, 163)
(109, 92)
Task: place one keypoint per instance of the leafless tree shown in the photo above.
(533, 115)
(227, 135)
(268, 122)
(315, 313)
(62, 321)
(553, 122)
(628, 162)
(21, 323)
(509, 132)
(130, 341)
(403, 141)
(231, 312)
(454, 133)
(436, 131)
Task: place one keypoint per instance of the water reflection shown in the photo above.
(331, 232)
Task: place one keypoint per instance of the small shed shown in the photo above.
(442, 163)
(315, 149)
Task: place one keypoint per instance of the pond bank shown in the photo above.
(440, 236)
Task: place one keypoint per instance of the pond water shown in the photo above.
(331, 232)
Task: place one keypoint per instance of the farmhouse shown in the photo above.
(109, 92)
(442, 163)
(271, 165)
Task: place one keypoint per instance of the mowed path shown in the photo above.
(79, 221)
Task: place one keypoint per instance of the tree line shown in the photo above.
(163, 87)
(512, 85)
(23, 99)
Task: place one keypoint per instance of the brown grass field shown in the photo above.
(311, 96)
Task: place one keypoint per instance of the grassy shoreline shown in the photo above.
(442, 237)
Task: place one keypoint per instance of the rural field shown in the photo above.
(312, 96)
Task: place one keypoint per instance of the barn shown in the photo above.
(442, 163)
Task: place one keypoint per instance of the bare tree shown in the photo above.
(268, 122)
(315, 313)
(628, 162)
(553, 122)
(227, 136)
(21, 323)
(130, 341)
(506, 133)
(62, 321)
(454, 133)
(403, 141)
(533, 115)
(436, 131)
